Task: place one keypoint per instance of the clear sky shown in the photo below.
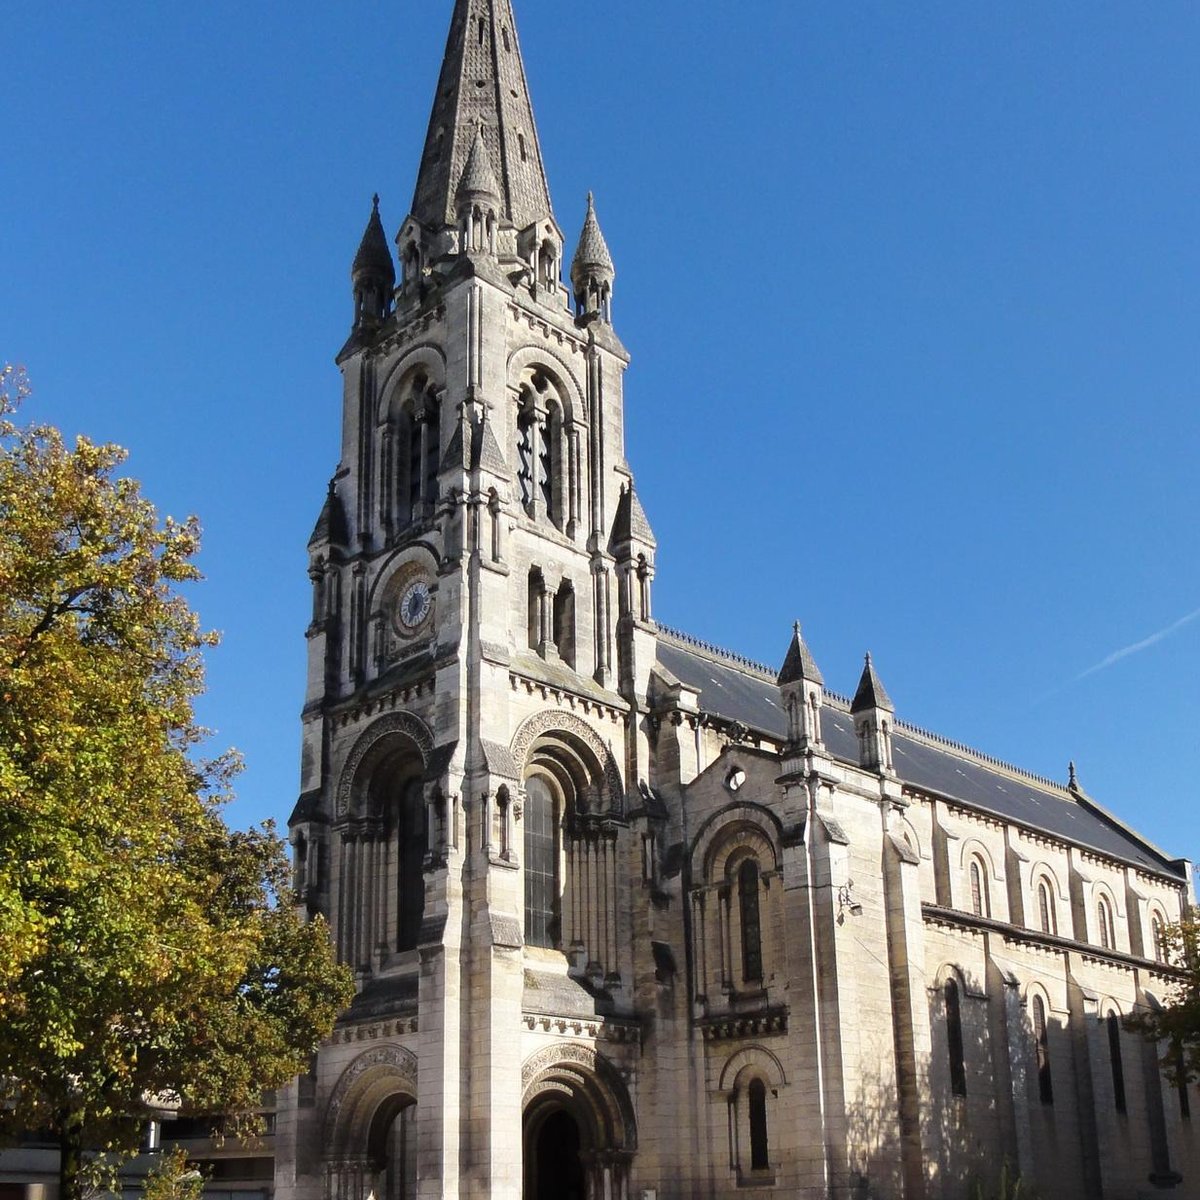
(911, 292)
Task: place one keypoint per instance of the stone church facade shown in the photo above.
(630, 916)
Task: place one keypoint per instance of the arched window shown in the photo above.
(564, 622)
(1104, 924)
(549, 433)
(760, 1155)
(535, 604)
(954, 1038)
(1118, 1067)
(980, 904)
(1157, 934)
(1041, 1035)
(411, 846)
(747, 887)
(412, 431)
(1047, 916)
(542, 882)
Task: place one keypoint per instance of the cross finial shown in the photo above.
(1073, 779)
(375, 201)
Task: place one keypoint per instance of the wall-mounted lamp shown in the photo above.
(847, 903)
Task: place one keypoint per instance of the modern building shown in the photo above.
(633, 917)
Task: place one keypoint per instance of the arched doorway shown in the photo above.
(580, 1134)
(555, 1170)
(392, 1150)
(370, 1142)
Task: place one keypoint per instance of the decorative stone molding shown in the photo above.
(395, 1061)
(403, 723)
(372, 1030)
(622, 1033)
(556, 721)
(764, 1024)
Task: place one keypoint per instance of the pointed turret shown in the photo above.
(482, 83)
(373, 273)
(331, 528)
(803, 691)
(592, 272)
(874, 715)
(478, 199)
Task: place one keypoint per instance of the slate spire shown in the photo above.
(592, 271)
(871, 692)
(799, 663)
(372, 273)
(482, 92)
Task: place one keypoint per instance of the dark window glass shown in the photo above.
(564, 623)
(411, 859)
(541, 865)
(433, 455)
(760, 1159)
(977, 899)
(525, 459)
(954, 1039)
(752, 966)
(1156, 936)
(1046, 908)
(1105, 922)
(546, 466)
(1118, 1067)
(1041, 1035)
(414, 465)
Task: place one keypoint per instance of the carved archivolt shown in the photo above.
(575, 728)
(391, 1069)
(595, 1091)
(403, 723)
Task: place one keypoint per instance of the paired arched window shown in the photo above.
(1113, 1022)
(980, 900)
(412, 461)
(952, 1000)
(1041, 1037)
(750, 921)
(564, 622)
(1047, 915)
(1105, 928)
(542, 458)
(543, 885)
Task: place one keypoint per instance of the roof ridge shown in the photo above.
(980, 756)
(740, 661)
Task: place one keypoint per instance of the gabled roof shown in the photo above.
(482, 88)
(736, 690)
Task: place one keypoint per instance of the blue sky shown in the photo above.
(911, 292)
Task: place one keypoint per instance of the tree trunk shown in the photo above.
(70, 1154)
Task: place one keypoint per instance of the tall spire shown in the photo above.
(482, 88)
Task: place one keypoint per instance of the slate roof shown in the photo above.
(738, 690)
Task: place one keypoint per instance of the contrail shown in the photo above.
(1137, 647)
(1117, 655)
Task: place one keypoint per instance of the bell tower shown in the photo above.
(479, 654)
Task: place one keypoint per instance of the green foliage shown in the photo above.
(1176, 1027)
(1009, 1186)
(148, 954)
(173, 1178)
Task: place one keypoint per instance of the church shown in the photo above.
(632, 917)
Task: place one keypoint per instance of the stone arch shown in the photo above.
(745, 822)
(588, 1084)
(399, 724)
(559, 370)
(755, 1059)
(374, 1078)
(579, 741)
(428, 357)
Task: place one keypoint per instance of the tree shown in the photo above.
(149, 955)
(1176, 1026)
